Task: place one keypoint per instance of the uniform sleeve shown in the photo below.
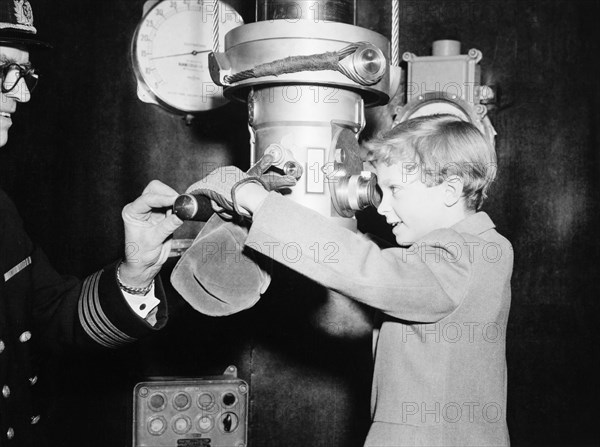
(423, 283)
(75, 312)
(66, 310)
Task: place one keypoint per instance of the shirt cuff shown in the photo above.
(142, 305)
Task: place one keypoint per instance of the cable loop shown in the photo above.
(295, 64)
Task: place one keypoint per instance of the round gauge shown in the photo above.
(170, 51)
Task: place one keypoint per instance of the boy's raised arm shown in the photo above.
(394, 280)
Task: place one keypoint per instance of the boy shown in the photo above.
(440, 367)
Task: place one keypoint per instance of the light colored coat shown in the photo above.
(440, 364)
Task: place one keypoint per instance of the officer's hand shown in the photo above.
(149, 225)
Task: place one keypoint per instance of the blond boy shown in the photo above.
(440, 366)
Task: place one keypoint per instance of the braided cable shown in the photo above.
(215, 25)
(295, 64)
(395, 33)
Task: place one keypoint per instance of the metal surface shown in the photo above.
(263, 42)
(302, 124)
(309, 115)
(344, 164)
(357, 192)
(342, 11)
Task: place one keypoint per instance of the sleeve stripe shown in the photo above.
(93, 319)
(86, 321)
(121, 337)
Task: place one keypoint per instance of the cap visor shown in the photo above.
(10, 39)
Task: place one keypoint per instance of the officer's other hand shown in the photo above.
(149, 225)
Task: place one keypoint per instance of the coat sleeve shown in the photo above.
(422, 283)
(65, 310)
(75, 312)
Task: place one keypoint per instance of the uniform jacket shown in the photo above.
(440, 364)
(37, 303)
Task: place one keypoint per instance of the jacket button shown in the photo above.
(6, 391)
(35, 419)
(10, 433)
(2, 346)
(25, 337)
(33, 380)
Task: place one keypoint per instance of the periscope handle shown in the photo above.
(193, 207)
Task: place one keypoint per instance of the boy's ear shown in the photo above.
(453, 190)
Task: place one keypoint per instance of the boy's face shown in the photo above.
(410, 206)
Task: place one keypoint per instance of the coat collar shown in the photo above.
(475, 224)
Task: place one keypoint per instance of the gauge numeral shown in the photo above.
(145, 38)
(159, 12)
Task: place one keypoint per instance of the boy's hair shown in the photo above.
(441, 146)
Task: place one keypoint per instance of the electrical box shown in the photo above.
(200, 412)
(447, 82)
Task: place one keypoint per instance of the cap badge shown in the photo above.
(23, 12)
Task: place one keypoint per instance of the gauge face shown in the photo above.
(170, 53)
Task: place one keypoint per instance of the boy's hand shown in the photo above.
(220, 186)
(217, 186)
(249, 197)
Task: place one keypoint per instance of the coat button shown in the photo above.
(6, 391)
(2, 346)
(25, 337)
(10, 433)
(33, 380)
(35, 419)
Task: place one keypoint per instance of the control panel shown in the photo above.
(202, 412)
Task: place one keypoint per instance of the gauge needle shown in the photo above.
(191, 53)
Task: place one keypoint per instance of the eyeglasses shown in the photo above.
(11, 74)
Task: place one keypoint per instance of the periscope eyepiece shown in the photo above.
(357, 192)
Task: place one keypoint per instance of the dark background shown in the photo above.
(85, 146)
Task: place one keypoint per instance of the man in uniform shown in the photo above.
(113, 307)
